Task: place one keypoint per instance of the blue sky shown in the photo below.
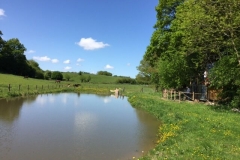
(81, 35)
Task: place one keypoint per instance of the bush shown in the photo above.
(126, 80)
(104, 73)
(57, 75)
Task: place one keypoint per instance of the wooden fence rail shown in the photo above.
(181, 96)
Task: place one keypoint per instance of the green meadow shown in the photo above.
(188, 131)
(14, 86)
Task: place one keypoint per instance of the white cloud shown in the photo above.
(45, 58)
(106, 100)
(2, 12)
(91, 44)
(128, 64)
(31, 51)
(55, 60)
(80, 60)
(108, 67)
(67, 61)
(67, 68)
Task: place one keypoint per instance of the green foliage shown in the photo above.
(82, 78)
(12, 58)
(38, 73)
(145, 70)
(173, 73)
(57, 75)
(67, 77)
(141, 79)
(126, 80)
(47, 74)
(106, 73)
(85, 78)
(225, 75)
(190, 35)
(88, 79)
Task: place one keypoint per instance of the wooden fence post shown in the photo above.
(9, 87)
(171, 95)
(167, 94)
(179, 94)
(174, 95)
(193, 96)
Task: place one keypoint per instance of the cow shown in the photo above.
(76, 85)
(57, 81)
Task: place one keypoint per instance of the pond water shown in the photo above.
(71, 126)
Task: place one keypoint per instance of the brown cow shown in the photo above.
(57, 81)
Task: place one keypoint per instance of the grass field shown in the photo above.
(13, 86)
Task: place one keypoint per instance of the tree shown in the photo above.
(48, 74)
(88, 78)
(38, 72)
(225, 76)
(159, 47)
(12, 58)
(212, 29)
(106, 73)
(57, 75)
(1, 42)
(82, 78)
(67, 76)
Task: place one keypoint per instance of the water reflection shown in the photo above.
(74, 126)
(10, 109)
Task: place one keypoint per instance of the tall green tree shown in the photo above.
(47, 74)
(57, 75)
(12, 58)
(159, 49)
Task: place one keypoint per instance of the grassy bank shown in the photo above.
(190, 130)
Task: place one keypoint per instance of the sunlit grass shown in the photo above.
(191, 130)
(14, 86)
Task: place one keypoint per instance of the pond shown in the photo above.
(74, 126)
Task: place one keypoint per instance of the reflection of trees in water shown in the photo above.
(9, 109)
(148, 128)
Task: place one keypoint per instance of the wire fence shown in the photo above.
(10, 88)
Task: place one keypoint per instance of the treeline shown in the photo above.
(193, 36)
